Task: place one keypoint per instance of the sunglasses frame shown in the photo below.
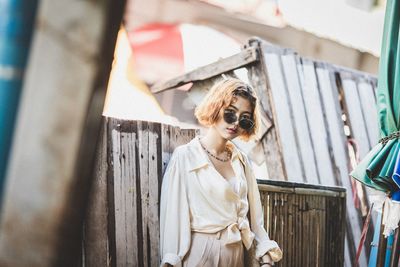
(230, 115)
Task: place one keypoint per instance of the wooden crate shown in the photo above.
(307, 221)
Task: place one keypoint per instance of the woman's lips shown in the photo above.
(231, 130)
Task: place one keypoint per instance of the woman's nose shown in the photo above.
(237, 120)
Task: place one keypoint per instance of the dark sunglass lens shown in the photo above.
(246, 124)
(229, 117)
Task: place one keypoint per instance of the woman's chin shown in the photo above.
(229, 135)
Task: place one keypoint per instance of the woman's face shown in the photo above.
(242, 108)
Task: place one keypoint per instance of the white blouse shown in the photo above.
(235, 183)
(195, 197)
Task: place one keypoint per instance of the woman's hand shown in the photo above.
(266, 261)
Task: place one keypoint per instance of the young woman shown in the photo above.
(210, 203)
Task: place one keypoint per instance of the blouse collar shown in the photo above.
(199, 159)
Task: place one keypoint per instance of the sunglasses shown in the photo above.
(245, 123)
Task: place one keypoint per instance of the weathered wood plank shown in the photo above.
(112, 127)
(355, 114)
(130, 190)
(245, 57)
(322, 224)
(291, 231)
(155, 179)
(286, 223)
(317, 124)
(305, 144)
(283, 113)
(369, 109)
(330, 97)
(271, 145)
(118, 198)
(165, 146)
(125, 195)
(143, 148)
(357, 117)
(367, 91)
(296, 218)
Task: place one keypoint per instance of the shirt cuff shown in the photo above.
(170, 258)
(271, 247)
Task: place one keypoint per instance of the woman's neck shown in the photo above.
(214, 142)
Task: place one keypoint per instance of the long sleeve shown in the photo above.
(263, 243)
(174, 214)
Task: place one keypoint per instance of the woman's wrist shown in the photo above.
(266, 260)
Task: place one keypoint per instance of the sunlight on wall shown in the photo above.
(128, 97)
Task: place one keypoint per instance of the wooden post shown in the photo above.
(394, 261)
(382, 244)
(58, 126)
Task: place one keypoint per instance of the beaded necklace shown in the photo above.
(229, 153)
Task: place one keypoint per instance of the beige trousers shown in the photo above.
(210, 250)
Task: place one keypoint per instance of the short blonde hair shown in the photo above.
(220, 96)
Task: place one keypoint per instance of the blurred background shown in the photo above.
(65, 63)
(161, 39)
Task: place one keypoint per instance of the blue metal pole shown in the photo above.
(389, 249)
(373, 256)
(16, 24)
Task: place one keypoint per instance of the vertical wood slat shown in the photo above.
(155, 180)
(358, 113)
(315, 115)
(300, 118)
(284, 124)
(369, 109)
(143, 148)
(125, 195)
(296, 230)
(359, 106)
(165, 146)
(271, 145)
(327, 81)
(111, 125)
(355, 114)
(118, 198)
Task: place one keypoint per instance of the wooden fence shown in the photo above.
(307, 105)
(309, 100)
(307, 221)
(122, 223)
